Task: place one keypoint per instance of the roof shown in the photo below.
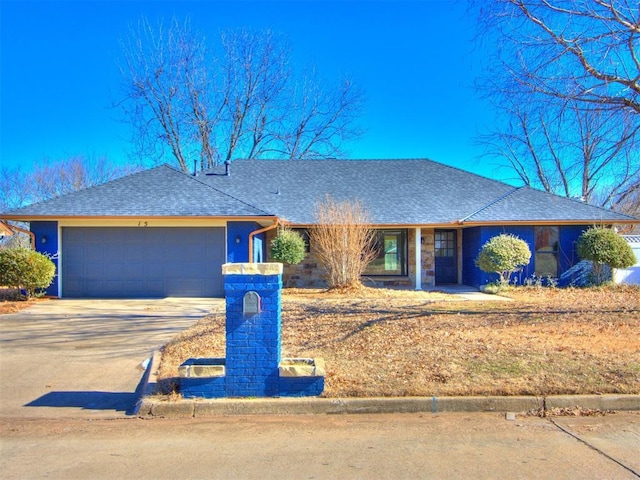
(160, 191)
(395, 192)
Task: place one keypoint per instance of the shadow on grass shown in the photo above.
(489, 316)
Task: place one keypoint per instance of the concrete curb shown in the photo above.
(316, 406)
(155, 406)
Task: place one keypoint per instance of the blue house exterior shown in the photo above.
(162, 232)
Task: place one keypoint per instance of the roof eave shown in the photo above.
(31, 218)
(602, 221)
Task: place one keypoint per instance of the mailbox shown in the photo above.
(251, 303)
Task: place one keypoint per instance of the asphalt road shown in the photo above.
(393, 446)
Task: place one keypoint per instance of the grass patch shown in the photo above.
(382, 342)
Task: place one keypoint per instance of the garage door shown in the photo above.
(142, 262)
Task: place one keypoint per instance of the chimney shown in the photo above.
(226, 168)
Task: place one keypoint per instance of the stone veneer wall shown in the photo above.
(308, 273)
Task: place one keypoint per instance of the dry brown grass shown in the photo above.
(11, 301)
(404, 343)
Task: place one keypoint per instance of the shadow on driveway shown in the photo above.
(118, 401)
(82, 358)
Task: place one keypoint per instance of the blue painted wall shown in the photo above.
(568, 253)
(474, 238)
(47, 242)
(239, 252)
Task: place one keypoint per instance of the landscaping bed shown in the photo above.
(380, 342)
(12, 301)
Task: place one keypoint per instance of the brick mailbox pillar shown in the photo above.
(252, 366)
(253, 302)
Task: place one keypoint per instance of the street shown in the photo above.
(443, 446)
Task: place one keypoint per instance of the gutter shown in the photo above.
(275, 225)
(13, 228)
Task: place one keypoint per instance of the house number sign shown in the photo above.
(251, 303)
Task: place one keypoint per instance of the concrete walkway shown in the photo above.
(81, 358)
(466, 292)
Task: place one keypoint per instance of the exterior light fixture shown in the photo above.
(237, 239)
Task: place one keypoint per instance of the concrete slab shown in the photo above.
(82, 358)
(465, 292)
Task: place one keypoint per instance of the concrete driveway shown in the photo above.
(80, 358)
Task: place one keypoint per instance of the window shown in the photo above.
(546, 254)
(391, 246)
(445, 244)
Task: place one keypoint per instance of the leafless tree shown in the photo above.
(568, 150)
(343, 240)
(188, 100)
(565, 80)
(583, 50)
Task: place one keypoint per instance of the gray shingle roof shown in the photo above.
(530, 204)
(396, 192)
(160, 191)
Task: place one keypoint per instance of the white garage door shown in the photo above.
(122, 262)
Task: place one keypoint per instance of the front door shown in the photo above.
(445, 254)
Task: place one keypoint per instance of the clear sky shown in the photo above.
(416, 61)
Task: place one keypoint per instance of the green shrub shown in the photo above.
(25, 269)
(603, 246)
(288, 247)
(503, 254)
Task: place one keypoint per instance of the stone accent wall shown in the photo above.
(308, 273)
(428, 257)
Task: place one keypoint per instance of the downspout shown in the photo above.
(256, 232)
(28, 232)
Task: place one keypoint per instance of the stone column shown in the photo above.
(253, 301)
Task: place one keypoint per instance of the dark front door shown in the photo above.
(445, 254)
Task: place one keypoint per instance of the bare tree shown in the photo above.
(564, 79)
(344, 241)
(564, 149)
(188, 102)
(583, 50)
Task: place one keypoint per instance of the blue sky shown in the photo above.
(415, 60)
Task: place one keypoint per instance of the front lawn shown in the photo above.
(384, 342)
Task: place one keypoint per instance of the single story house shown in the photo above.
(162, 232)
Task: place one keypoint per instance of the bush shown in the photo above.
(503, 254)
(288, 247)
(343, 240)
(25, 269)
(603, 246)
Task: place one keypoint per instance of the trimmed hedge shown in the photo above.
(25, 269)
(503, 254)
(288, 247)
(603, 246)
